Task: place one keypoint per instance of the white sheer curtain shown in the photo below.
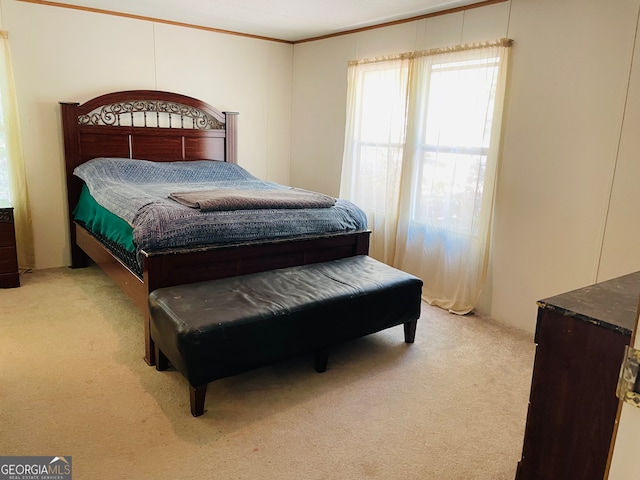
(421, 154)
(10, 138)
(374, 147)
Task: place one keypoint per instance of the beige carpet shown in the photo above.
(73, 383)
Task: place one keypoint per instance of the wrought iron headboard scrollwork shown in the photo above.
(151, 113)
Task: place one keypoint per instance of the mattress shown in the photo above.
(127, 202)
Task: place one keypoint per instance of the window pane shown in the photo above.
(378, 175)
(460, 105)
(4, 167)
(380, 135)
(382, 105)
(450, 191)
(458, 113)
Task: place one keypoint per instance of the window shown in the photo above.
(421, 150)
(11, 155)
(4, 164)
(458, 117)
(380, 137)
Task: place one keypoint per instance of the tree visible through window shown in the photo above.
(421, 150)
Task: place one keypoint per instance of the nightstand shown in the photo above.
(9, 276)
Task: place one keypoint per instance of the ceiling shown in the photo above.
(287, 20)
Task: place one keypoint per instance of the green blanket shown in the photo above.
(101, 221)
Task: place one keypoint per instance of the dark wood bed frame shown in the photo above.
(96, 129)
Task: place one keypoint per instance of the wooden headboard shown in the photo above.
(144, 125)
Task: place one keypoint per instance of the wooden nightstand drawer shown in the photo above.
(7, 235)
(8, 261)
(9, 276)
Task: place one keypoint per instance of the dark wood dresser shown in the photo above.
(580, 337)
(9, 276)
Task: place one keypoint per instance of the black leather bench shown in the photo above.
(215, 329)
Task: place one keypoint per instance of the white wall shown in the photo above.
(62, 54)
(564, 113)
(570, 69)
(621, 246)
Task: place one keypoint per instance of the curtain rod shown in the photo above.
(503, 42)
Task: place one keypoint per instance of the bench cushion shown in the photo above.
(213, 329)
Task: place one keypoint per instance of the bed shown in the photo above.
(164, 129)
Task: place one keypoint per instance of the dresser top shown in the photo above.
(5, 204)
(613, 304)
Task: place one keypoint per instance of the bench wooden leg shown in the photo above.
(410, 331)
(149, 349)
(321, 358)
(197, 395)
(162, 362)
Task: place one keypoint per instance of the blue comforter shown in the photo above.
(137, 191)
